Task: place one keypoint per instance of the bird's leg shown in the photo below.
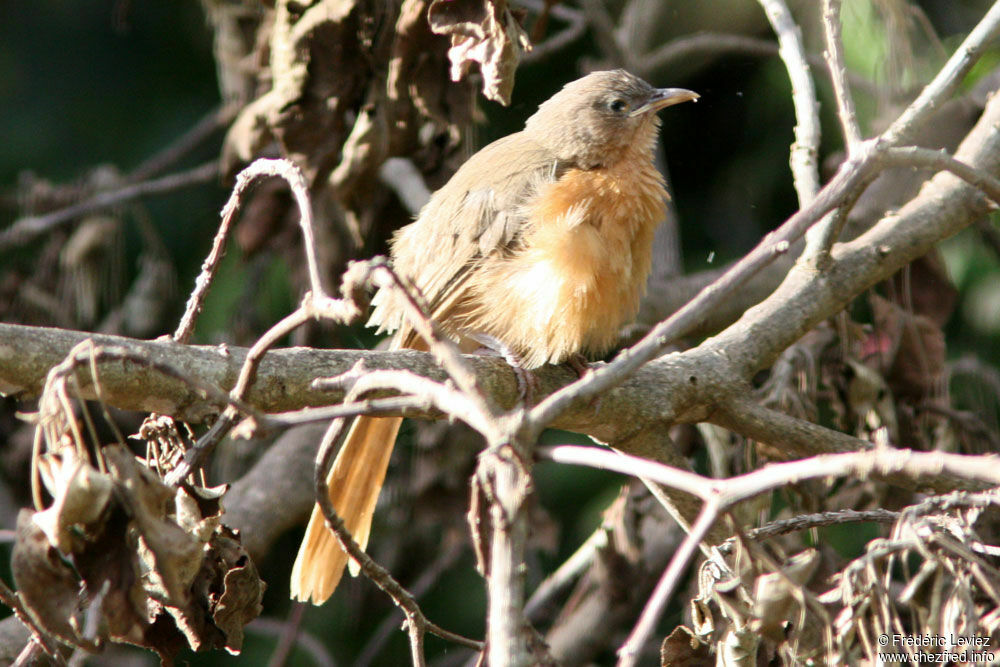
(527, 383)
(578, 363)
(581, 366)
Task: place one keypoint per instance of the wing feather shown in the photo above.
(479, 212)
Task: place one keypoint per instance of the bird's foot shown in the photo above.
(527, 383)
(578, 363)
(582, 367)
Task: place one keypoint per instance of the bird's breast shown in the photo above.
(581, 267)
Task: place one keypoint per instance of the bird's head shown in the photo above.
(592, 121)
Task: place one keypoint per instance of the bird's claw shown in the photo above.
(528, 385)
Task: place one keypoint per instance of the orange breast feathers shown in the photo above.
(581, 267)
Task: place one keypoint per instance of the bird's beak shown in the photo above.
(665, 97)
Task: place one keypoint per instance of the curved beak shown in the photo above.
(665, 97)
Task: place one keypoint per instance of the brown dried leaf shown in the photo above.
(931, 291)
(319, 67)
(108, 566)
(418, 78)
(914, 350)
(48, 588)
(682, 648)
(153, 562)
(170, 557)
(80, 495)
(483, 32)
(777, 594)
(242, 590)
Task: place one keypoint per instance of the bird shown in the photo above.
(541, 241)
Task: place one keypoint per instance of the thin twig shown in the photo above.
(26, 229)
(631, 650)
(206, 126)
(420, 587)
(381, 577)
(456, 404)
(952, 500)
(804, 158)
(817, 520)
(258, 170)
(606, 459)
(834, 55)
(389, 407)
(567, 572)
(880, 461)
(821, 237)
(926, 158)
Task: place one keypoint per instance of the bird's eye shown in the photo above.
(618, 105)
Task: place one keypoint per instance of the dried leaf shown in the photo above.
(483, 32)
(418, 78)
(170, 557)
(914, 352)
(776, 594)
(318, 71)
(48, 588)
(80, 495)
(683, 649)
(201, 582)
(242, 589)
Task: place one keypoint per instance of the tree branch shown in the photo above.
(804, 158)
(26, 229)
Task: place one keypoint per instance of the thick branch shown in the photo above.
(283, 381)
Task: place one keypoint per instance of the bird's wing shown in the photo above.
(480, 211)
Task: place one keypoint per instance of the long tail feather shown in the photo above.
(355, 481)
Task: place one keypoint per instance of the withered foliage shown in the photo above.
(116, 555)
(341, 86)
(766, 598)
(932, 577)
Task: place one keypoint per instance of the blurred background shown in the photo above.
(97, 97)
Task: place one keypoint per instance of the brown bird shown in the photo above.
(541, 241)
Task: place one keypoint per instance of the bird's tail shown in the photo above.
(355, 481)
